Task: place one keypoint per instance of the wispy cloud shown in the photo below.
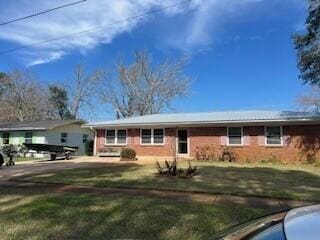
(88, 15)
(208, 17)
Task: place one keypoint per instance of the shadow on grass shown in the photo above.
(116, 216)
(233, 180)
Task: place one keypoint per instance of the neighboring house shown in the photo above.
(252, 135)
(55, 132)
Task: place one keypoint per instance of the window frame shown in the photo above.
(266, 137)
(235, 144)
(152, 137)
(115, 137)
(84, 138)
(6, 138)
(66, 137)
(25, 138)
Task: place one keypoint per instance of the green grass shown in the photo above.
(275, 181)
(29, 214)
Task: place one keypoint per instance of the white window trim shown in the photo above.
(152, 137)
(242, 139)
(281, 137)
(188, 142)
(116, 138)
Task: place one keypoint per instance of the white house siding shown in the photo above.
(37, 137)
(75, 136)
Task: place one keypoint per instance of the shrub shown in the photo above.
(228, 155)
(206, 153)
(170, 169)
(128, 153)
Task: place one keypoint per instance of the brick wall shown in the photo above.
(133, 140)
(300, 143)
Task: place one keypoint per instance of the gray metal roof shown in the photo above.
(210, 118)
(37, 125)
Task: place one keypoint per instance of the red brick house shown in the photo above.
(252, 136)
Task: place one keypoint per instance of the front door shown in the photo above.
(182, 141)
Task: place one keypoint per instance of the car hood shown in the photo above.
(303, 223)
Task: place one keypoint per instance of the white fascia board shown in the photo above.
(201, 123)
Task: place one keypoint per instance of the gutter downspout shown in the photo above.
(95, 141)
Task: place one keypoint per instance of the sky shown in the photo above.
(241, 51)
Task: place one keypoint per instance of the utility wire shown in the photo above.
(40, 13)
(97, 29)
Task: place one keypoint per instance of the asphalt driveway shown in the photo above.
(42, 166)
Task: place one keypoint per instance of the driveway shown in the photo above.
(42, 166)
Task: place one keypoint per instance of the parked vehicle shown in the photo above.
(7, 156)
(296, 224)
(53, 150)
(2, 158)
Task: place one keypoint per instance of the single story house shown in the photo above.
(252, 136)
(55, 132)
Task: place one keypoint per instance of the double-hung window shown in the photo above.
(235, 136)
(273, 135)
(84, 138)
(116, 137)
(64, 137)
(28, 137)
(5, 138)
(152, 136)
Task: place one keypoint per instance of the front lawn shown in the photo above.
(276, 181)
(30, 214)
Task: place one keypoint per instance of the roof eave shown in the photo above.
(184, 123)
(66, 124)
(22, 129)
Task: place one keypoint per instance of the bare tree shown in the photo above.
(310, 101)
(82, 89)
(144, 88)
(22, 97)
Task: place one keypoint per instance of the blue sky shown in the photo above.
(241, 51)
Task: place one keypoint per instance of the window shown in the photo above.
(273, 135)
(110, 136)
(146, 136)
(121, 137)
(116, 137)
(152, 136)
(5, 138)
(235, 135)
(84, 138)
(272, 233)
(64, 137)
(158, 136)
(28, 137)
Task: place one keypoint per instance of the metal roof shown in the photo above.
(37, 125)
(210, 118)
